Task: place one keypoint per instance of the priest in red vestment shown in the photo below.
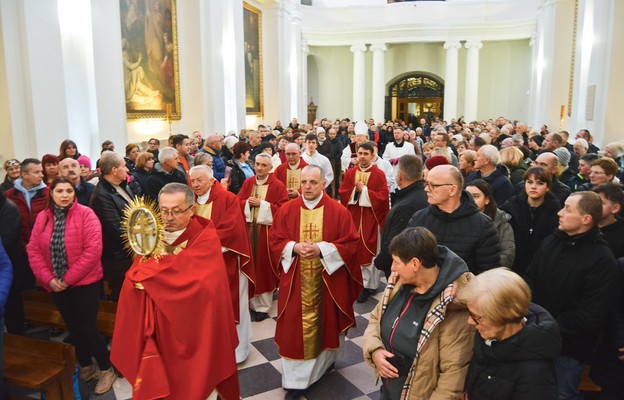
(223, 209)
(364, 191)
(175, 333)
(289, 173)
(315, 241)
(260, 197)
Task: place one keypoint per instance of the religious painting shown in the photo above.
(252, 32)
(149, 45)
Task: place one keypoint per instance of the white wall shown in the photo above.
(504, 76)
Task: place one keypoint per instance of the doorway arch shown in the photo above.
(414, 95)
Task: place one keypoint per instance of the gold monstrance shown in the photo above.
(143, 227)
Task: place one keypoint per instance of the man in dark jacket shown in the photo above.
(70, 168)
(213, 146)
(574, 277)
(410, 197)
(165, 172)
(488, 168)
(455, 220)
(110, 197)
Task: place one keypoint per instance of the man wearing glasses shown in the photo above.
(179, 302)
(455, 220)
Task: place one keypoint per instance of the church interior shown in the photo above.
(69, 69)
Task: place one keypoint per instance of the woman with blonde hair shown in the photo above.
(513, 158)
(467, 162)
(516, 343)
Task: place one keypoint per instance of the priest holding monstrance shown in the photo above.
(175, 333)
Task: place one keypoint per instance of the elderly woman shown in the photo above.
(203, 159)
(417, 338)
(144, 165)
(516, 343)
(467, 162)
(12, 168)
(64, 253)
(513, 158)
(615, 150)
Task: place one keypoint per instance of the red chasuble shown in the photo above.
(338, 291)
(281, 173)
(266, 269)
(225, 213)
(367, 220)
(175, 333)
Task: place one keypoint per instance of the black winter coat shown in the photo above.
(498, 180)
(159, 178)
(408, 200)
(466, 231)
(109, 206)
(530, 226)
(237, 176)
(614, 234)
(519, 367)
(575, 278)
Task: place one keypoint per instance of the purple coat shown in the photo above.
(83, 245)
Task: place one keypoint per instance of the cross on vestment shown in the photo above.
(293, 183)
(309, 231)
(144, 229)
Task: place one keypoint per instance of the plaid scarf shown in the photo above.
(433, 318)
(57, 244)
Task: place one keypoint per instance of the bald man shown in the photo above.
(70, 169)
(455, 220)
(289, 173)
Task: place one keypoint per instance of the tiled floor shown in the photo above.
(260, 375)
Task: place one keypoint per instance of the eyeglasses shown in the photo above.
(476, 318)
(174, 213)
(432, 186)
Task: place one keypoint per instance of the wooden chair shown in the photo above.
(40, 365)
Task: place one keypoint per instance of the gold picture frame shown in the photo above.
(252, 55)
(149, 44)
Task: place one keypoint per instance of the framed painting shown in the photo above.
(149, 43)
(252, 32)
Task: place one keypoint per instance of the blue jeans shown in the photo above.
(568, 372)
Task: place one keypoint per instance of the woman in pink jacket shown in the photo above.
(64, 252)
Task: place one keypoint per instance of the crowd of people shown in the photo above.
(501, 246)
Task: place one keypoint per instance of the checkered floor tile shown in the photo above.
(260, 375)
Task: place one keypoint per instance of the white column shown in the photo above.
(303, 94)
(472, 79)
(379, 81)
(358, 81)
(450, 80)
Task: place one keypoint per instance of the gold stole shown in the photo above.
(293, 178)
(204, 210)
(362, 176)
(311, 271)
(253, 229)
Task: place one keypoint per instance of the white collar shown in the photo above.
(261, 182)
(296, 166)
(203, 199)
(171, 237)
(310, 204)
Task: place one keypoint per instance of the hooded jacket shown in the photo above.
(442, 363)
(29, 203)
(519, 367)
(466, 231)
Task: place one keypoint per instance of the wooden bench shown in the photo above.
(40, 365)
(588, 386)
(40, 310)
